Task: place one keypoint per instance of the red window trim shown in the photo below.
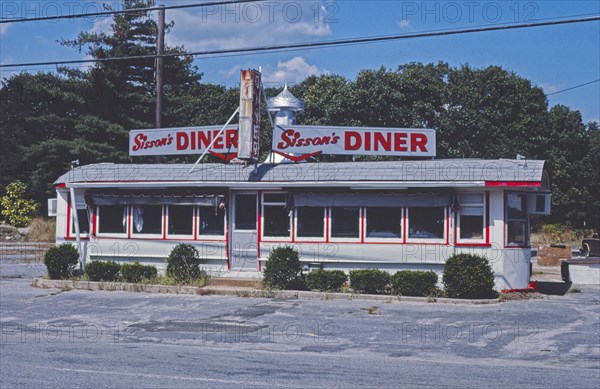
(486, 242)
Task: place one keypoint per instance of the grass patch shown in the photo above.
(574, 290)
(371, 310)
(42, 230)
(170, 281)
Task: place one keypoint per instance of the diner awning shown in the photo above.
(154, 197)
(312, 199)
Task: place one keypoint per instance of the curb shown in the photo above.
(243, 292)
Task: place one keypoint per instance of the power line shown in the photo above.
(125, 11)
(338, 42)
(573, 87)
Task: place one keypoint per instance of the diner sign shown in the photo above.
(305, 141)
(184, 140)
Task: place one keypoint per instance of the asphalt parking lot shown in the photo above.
(55, 338)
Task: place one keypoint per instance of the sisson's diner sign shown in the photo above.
(305, 141)
(185, 140)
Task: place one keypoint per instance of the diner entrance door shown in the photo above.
(244, 231)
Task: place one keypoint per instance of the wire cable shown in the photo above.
(573, 87)
(338, 42)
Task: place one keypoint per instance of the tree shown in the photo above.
(490, 113)
(17, 210)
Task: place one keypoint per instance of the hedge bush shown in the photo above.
(61, 261)
(413, 283)
(183, 263)
(326, 280)
(137, 272)
(282, 270)
(371, 281)
(468, 276)
(102, 271)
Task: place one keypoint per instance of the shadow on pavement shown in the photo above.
(553, 287)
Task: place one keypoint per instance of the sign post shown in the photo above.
(249, 132)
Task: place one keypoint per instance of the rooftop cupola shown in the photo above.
(285, 105)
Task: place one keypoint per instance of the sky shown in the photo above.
(552, 57)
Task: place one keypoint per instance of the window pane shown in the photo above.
(426, 223)
(471, 227)
(277, 221)
(471, 211)
(147, 219)
(212, 221)
(471, 198)
(516, 206)
(310, 222)
(245, 212)
(516, 233)
(181, 219)
(84, 222)
(112, 219)
(274, 197)
(344, 222)
(384, 222)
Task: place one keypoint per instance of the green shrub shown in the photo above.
(282, 270)
(371, 281)
(17, 210)
(183, 263)
(102, 271)
(329, 280)
(137, 272)
(413, 283)
(468, 276)
(61, 261)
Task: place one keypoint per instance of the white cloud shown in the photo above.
(231, 71)
(246, 25)
(4, 28)
(7, 72)
(549, 88)
(102, 25)
(294, 70)
(405, 25)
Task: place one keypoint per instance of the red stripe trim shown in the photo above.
(514, 183)
(94, 214)
(404, 226)
(447, 211)
(128, 221)
(258, 232)
(164, 217)
(61, 185)
(327, 210)
(68, 235)
(362, 227)
(487, 217)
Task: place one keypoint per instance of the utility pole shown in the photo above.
(160, 48)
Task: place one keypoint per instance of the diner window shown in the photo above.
(212, 221)
(84, 222)
(426, 223)
(276, 219)
(147, 219)
(310, 222)
(517, 228)
(245, 212)
(384, 222)
(471, 219)
(345, 222)
(181, 220)
(112, 219)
